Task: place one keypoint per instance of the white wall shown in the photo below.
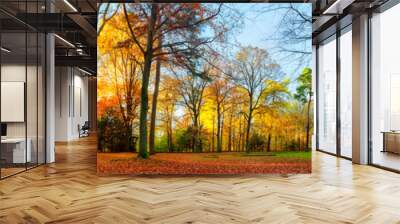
(33, 127)
(80, 110)
(16, 73)
(71, 102)
(62, 82)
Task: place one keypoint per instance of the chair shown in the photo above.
(84, 130)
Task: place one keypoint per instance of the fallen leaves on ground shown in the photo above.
(198, 163)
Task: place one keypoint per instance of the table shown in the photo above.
(391, 141)
(13, 150)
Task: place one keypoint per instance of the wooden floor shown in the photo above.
(69, 191)
(387, 159)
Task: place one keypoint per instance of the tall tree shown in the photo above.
(191, 89)
(219, 91)
(121, 62)
(304, 95)
(169, 97)
(179, 27)
(253, 67)
(154, 102)
(274, 101)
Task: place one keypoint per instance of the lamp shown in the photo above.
(64, 40)
(5, 50)
(70, 5)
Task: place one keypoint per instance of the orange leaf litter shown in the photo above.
(198, 164)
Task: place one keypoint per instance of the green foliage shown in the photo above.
(304, 90)
(161, 144)
(183, 139)
(276, 94)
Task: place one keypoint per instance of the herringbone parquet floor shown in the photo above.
(69, 191)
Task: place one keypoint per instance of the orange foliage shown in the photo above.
(117, 81)
(278, 125)
(196, 163)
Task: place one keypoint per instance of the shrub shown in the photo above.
(114, 135)
(257, 142)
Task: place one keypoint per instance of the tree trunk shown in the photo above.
(145, 84)
(219, 146)
(249, 122)
(154, 103)
(243, 131)
(195, 139)
(221, 133)
(199, 143)
(308, 123)
(286, 139)
(240, 135)
(248, 131)
(213, 135)
(230, 134)
(171, 144)
(299, 142)
(249, 125)
(269, 142)
(234, 139)
(168, 139)
(169, 134)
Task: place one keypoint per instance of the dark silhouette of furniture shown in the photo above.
(84, 130)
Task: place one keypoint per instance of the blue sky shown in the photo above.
(258, 27)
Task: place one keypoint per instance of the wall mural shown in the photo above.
(204, 88)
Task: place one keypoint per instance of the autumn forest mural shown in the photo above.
(204, 88)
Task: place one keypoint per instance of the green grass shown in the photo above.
(291, 154)
(284, 154)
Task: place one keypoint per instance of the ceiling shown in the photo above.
(331, 15)
(73, 21)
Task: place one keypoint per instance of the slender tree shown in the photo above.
(191, 89)
(154, 102)
(253, 67)
(219, 91)
(169, 97)
(304, 95)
